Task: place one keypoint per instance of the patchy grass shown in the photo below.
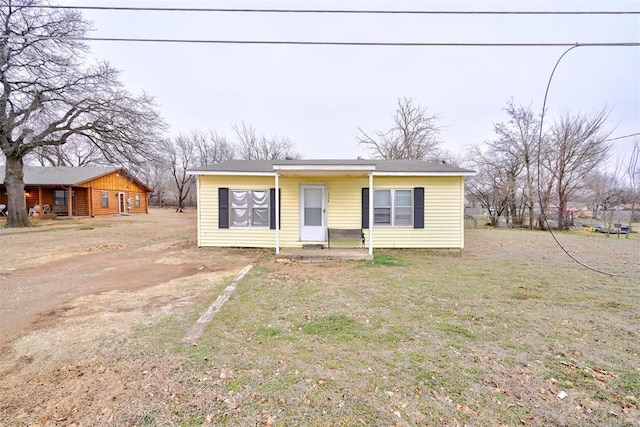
(434, 338)
(386, 259)
(94, 226)
(491, 336)
(425, 338)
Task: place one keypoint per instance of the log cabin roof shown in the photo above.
(67, 175)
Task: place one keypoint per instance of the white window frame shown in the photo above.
(393, 207)
(250, 208)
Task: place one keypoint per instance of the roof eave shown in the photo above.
(237, 173)
(426, 173)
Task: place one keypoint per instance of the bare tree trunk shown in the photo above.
(530, 197)
(17, 215)
(633, 210)
(633, 172)
(608, 223)
(562, 213)
(531, 214)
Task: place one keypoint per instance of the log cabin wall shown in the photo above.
(81, 202)
(106, 206)
(88, 197)
(33, 196)
(46, 196)
(103, 193)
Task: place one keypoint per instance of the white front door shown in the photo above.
(313, 221)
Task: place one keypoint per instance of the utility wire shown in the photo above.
(315, 43)
(570, 46)
(542, 213)
(622, 137)
(340, 11)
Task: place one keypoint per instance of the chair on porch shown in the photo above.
(46, 209)
(3, 209)
(34, 210)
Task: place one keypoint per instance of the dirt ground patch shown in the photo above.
(72, 287)
(44, 270)
(96, 309)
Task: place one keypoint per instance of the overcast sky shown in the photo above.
(319, 96)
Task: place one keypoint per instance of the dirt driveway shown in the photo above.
(68, 268)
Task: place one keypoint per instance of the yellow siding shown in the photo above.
(289, 213)
(343, 206)
(208, 232)
(345, 203)
(444, 214)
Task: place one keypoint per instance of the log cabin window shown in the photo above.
(136, 200)
(105, 199)
(60, 197)
(249, 208)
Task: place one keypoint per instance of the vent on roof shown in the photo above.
(288, 158)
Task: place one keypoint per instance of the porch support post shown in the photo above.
(371, 213)
(90, 204)
(277, 213)
(40, 201)
(70, 201)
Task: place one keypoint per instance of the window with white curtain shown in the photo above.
(249, 208)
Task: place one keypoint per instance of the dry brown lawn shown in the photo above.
(509, 332)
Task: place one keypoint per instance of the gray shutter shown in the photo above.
(223, 208)
(272, 207)
(365, 207)
(418, 207)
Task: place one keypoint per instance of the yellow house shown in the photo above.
(394, 204)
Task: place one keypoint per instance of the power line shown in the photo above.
(540, 201)
(341, 11)
(622, 137)
(317, 43)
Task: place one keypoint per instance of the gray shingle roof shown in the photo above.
(381, 166)
(59, 175)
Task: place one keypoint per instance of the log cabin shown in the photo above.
(81, 191)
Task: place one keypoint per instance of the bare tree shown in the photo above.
(607, 192)
(449, 157)
(211, 147)
(633, 174)
(188, 150)
(180, 157)
(579, 145)
(76, 152)
(494, 182)
(251, 146)
(48, 96)
(156, 176)
(414, 135)
(517, 139)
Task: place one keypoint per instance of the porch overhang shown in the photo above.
(305, 170)
(323, 170)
